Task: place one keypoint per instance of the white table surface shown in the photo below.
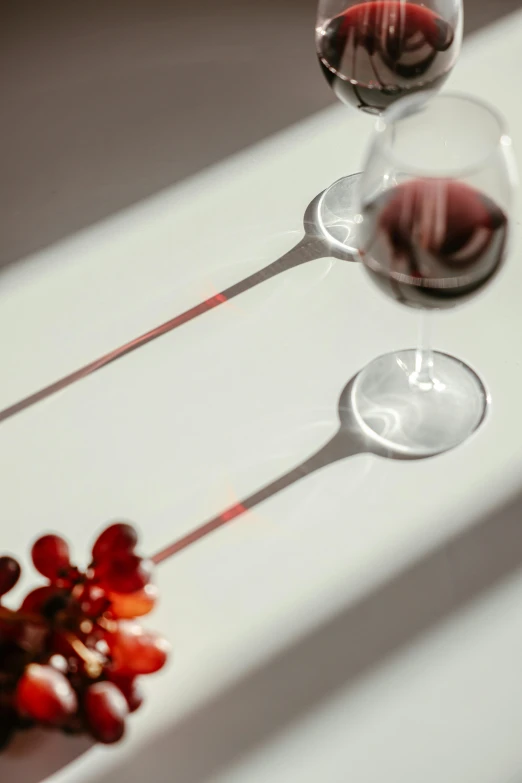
(365, 624)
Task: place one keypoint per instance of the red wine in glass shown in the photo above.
(432, 243)
(375, 52)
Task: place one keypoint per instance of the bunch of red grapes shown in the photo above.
(71, 654)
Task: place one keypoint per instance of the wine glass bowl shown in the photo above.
(433, 243)
(372, 53)
(435, 199)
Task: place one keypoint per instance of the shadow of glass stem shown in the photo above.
(350, 439)
(312, 246)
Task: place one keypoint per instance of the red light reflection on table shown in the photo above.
(200, 532)
(118, 353)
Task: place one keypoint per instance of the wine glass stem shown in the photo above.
(423, 378)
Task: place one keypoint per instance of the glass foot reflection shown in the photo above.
(337, 212)
(419, 419)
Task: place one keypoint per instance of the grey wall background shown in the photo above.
(108, 101)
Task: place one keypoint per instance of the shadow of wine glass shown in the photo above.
(353, 437)
(313, 245)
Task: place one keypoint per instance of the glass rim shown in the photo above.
(394, 114)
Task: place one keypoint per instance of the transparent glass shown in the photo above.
(434, 216)
(372, 53)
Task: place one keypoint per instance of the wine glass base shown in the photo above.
(337, 214)
(418, 420)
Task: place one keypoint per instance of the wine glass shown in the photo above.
(434, 204)
(373, 52)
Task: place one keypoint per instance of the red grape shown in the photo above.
(105, 711)
(51, 556)
(12, 661)
(58, 662)
(82, 658)
(33, 638)
(93, 601)
(102, 648)
(69, 577)
(126, 606)
(130, 689)
(45, 695)
(61, 646)
(35, 601)
(9, 574)
(9, 631)
(117, 539)
(126, 574)
(135, 650)
(70, 657)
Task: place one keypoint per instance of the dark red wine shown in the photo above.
(376, 52)
(432, 243)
